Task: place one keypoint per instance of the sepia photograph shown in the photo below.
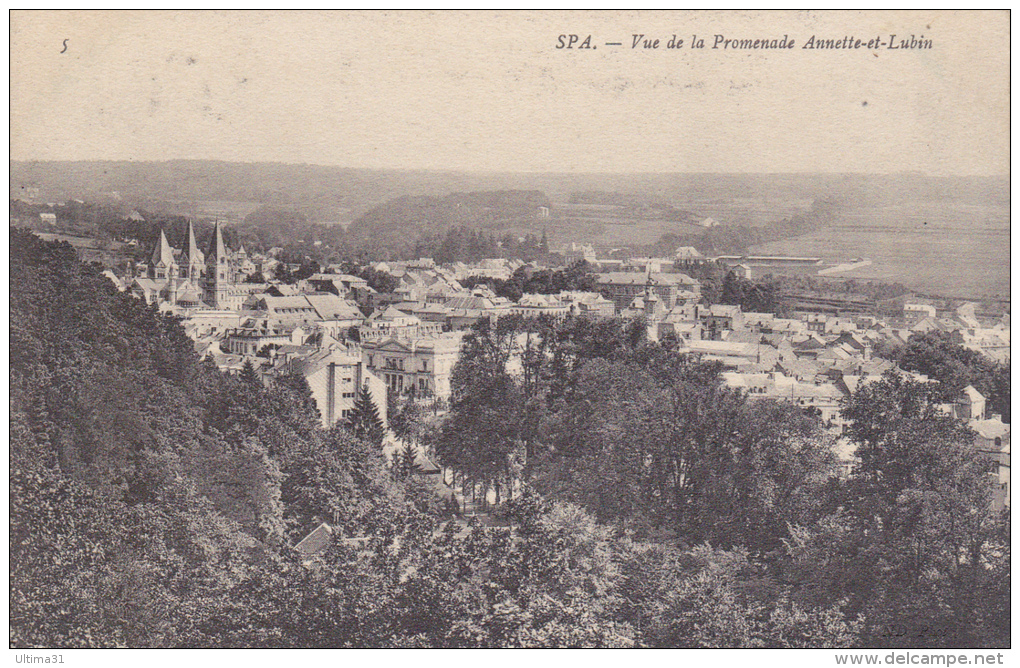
(434, 330)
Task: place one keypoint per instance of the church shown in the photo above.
(189, 278)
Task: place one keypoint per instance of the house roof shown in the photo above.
(723, 348)
(641, 278)
(289, 304)
(724, 310)
(332, 307)
(799, 367)
(786, 324)
(539, 301)
(835, 353)
(310, 364)
(972, 394)
(389, 314)
(752, 317)
(469, 302)
(317, 541)
(150, 283)
(449, 342)
(990, 429)
(810, 341)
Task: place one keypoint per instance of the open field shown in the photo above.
(749, 211)
(947, 248)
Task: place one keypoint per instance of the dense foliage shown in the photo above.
(129, 452)
(738, 239)
(158, 502)
(528, 280)
(937, 356)
(720, 285)
(904, 550)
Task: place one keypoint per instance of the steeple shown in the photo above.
(649, 283)
(217, 270)
(196, 260)
(217, 251)
(652, 305)
(163, 254)
(163, 264)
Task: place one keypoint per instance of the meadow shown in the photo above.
(948, 248)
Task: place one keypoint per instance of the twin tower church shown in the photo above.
(190, 278)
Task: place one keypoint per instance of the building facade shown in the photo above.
(623, 286)
(414, 366)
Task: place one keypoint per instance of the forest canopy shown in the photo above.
(156, 502)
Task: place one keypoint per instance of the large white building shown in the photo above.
(393, 323)
(335, 375)
(422, 366)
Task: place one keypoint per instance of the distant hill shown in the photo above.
(422, 215)
(271, 204)
(323, 192)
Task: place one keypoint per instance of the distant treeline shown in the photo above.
(527, 280)
(271, 227)
(398, 223)
(629, 205)
(320, 191)
(737, 239)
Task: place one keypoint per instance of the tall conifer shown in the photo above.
(364, 420)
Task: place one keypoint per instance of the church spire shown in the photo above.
(649, 282)
(196, 260)
(163, 263)
(193, 252)
(651, 303)
(217, 250)
(163, 255)
(217, 272)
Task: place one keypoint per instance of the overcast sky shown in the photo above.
(489, 91)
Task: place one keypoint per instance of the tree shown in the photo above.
(935, 355)
(918, 530)
(364, 420)
(998, 401)
(380, 281)
(907, 445)
(406, 418)
(753, 296)
(658, 441)
(717, 598)
(339, 478)
(248, 374)
(483, 428)
(406, 462)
